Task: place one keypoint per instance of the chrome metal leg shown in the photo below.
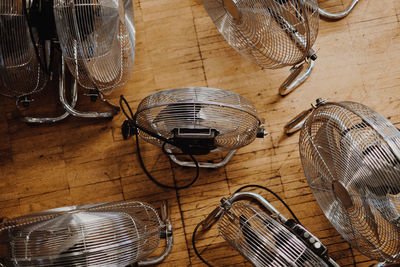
(90, 114)
(295, 78)
(74, 94)
(337, 16)
(169, 239)
(204, 164)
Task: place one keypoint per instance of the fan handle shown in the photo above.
(339, 15)
(296, 77)
(91, 114)
(297, 122)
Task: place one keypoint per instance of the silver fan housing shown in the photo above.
(116, 233)
(350, 155)
(227, 120)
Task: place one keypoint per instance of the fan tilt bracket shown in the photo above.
(165, 233)
(108, 114)
(297, 122)
(298, 74)
(339, 15)
(47, 120)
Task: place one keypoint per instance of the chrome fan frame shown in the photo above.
(115, 233)
(351, 159)
(201, 119)
(270, 33)
(266, 238)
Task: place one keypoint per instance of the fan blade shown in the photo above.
(179, 111)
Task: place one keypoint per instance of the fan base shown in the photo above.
(204, 164)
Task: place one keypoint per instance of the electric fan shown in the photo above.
(198, 120)
(23, 71)
(270, 33)
(97, 39)
(106, 234)
(351, 159)
(338, 15)
(265, 238)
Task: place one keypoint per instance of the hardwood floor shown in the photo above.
(177, 45)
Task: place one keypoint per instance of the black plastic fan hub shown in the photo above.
(195, 141)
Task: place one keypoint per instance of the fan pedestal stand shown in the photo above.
(297, 122)
(296, 78)
(74, 94)
(70, 108)
(88, 114)
(337, 16)
(203, 164)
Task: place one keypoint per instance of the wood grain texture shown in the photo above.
(83, 161)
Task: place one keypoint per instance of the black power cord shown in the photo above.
(42, 64)
(130, 127)
(194, 245)
(274, 194)
(240, 189)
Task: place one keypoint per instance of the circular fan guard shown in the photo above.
(270, 33)
(20, 70)
(118, 233)
(98, 41)
(350, 155)
(262, 240)
(227, 118)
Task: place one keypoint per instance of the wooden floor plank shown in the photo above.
(82, 161)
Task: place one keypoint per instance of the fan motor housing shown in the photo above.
(195, 141)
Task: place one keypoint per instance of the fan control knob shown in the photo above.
(308, 238)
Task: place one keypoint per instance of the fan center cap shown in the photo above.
(232, 9)
(342, 194)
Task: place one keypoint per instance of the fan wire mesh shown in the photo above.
(350, 144)
(233, 116)
(270, 33)
(263, 240)
(20, 71)
(97, 38)
(118, 234)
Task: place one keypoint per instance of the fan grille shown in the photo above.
(116, 234)
(97, 38)
(262, 240)
(20, 72)
(268, 31)
(233, 116)
(350, 145)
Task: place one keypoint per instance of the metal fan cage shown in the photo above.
(97, 38)
(20, 71)
(233, 116)
(270, 33)
(118, 234)
(350, 156)
(263, 240)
